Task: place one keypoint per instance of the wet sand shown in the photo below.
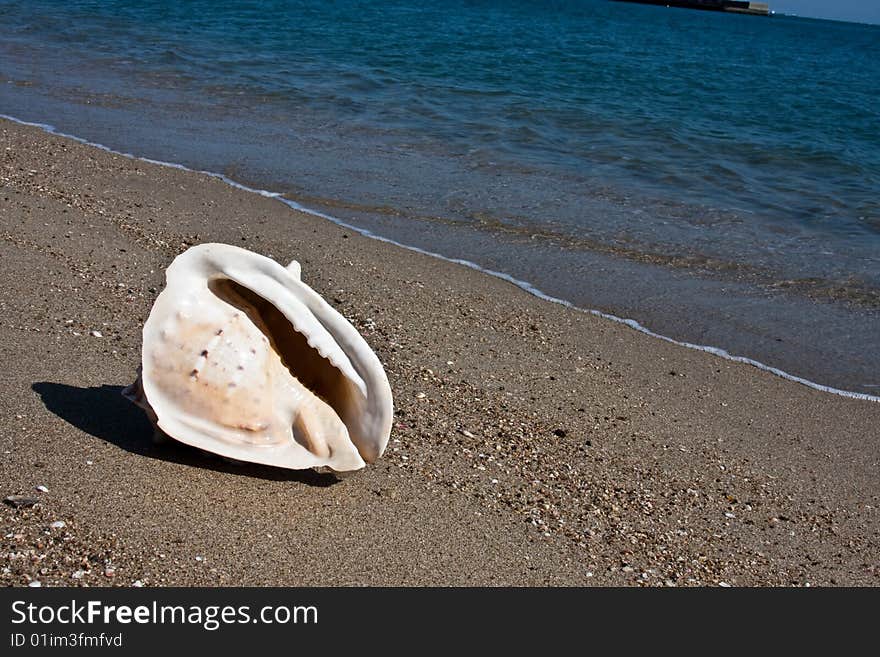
(533, 444)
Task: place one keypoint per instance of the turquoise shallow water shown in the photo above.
(714, 176)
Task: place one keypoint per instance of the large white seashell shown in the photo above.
(242, 359)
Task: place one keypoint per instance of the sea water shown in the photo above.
(715, 177)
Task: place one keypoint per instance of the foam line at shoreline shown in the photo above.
(523, 285)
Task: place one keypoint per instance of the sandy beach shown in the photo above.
(533, 444)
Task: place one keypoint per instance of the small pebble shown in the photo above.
(138, 583)
(420, 395)
(35, 584)
(58, 524)
(96, 334)
(42, 489)
(20, 501)
(724, 585)
(77, 574)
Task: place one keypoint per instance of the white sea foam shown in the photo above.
(524, 285)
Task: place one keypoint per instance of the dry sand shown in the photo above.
(533, 444)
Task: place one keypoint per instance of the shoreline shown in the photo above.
(750, 228)
(533, 444)
(524, 285)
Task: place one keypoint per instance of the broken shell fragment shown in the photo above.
(242, 359)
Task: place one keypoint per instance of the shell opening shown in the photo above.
(303, 361)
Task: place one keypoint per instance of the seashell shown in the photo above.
(243, 359)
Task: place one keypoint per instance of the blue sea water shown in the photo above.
(714, 176)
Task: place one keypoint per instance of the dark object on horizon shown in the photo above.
(736, 6)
